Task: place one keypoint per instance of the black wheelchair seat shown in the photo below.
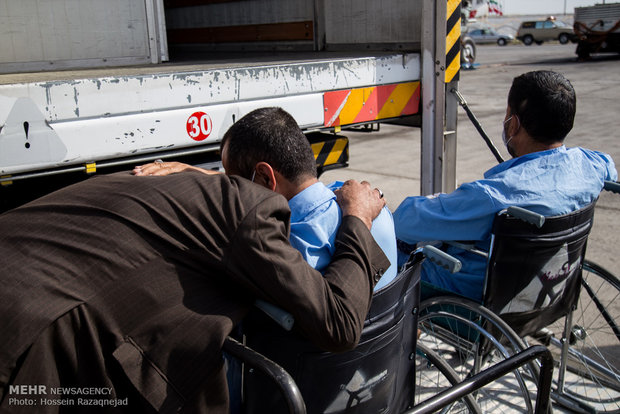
(378, 376)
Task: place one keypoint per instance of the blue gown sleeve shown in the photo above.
(464, 214)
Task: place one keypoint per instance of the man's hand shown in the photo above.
(164, 168)
(359, 200)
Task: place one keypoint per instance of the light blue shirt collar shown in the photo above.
(307, 200)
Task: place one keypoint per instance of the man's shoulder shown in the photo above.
(590, 154)
(316, 202)
(600, 161)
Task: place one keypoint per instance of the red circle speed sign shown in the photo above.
(199, 126)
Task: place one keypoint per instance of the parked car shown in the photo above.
(544, 30)
(488, 35)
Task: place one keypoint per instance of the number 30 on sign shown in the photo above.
(199, 126)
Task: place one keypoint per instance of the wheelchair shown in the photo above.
(359, 381)
(285, 373)
(539, 288)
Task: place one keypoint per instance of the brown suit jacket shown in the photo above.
(158, 270)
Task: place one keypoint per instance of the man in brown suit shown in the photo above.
(130, 285)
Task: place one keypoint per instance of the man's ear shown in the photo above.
(515, 125)
(265, 176)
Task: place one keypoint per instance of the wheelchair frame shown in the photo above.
(458, 391)
(588, 364)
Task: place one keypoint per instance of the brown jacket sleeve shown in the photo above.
(330, 309)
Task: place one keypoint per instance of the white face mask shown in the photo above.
(253, 176)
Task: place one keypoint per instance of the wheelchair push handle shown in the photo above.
(442, 258)
(526, 215)
(612, 186)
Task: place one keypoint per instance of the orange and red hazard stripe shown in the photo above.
(352, 106)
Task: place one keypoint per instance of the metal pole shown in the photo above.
(433, 99)
(450, 139)
(452, 74)
(479, 128)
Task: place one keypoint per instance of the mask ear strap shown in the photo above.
(518, 122)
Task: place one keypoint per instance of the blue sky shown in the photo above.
(545, 6)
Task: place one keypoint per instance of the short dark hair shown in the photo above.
(545, 103)
(270, 135)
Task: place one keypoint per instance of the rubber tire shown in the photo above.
(600, 341)
(468, 51)
(528, 40)
(442, 332)
(501, 41)
(563, 38)
(427, 355)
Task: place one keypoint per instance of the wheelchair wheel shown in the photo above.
(470, 338)
(434, 375)
(593, 361)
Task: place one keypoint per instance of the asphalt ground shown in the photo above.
(390, 158)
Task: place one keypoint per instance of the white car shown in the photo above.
(488, 35)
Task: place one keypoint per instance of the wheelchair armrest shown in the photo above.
(612, 186)
(282, 317)
(442, 258)
(275, 372)
(526, 215)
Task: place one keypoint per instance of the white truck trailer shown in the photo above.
(88, 86)
(598, 29)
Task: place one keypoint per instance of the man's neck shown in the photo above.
(305, 184)
(538, 147)
(290, 190)
(524, 144)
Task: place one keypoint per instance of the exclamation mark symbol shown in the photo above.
(26, 128)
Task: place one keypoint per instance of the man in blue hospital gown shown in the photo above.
(543, 176)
